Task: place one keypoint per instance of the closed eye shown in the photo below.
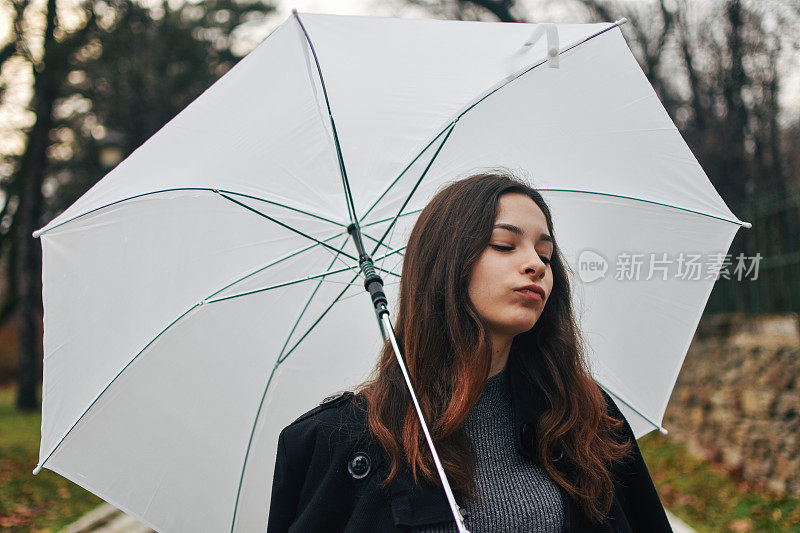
(501, 248)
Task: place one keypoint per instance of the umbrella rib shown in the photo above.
(658, 426)
(646, 201)
(314, 324)
(201, 302)
(327, 247)
(290, 228)
(278, 204)
(388, 248)
(488, 92)
(525, 70)
(249, 443)
(394, 182)
(300, 280)
(387, 284)
(396, 251)
(264, 394)
(266, 389)
(351, 208)
(210, 300)
(39, 232)
(305, 307)
(394, 266)
(416, 185)
(129, 363)
(268, 265)
(387, 219)
(279, 285)
(507, 81)
(388, 244)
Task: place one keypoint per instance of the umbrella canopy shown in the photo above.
(204, 293)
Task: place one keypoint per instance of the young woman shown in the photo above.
(527, 438)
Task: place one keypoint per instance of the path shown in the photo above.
(108, 519)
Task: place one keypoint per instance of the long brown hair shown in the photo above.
(448, 352)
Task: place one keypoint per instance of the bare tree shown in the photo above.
(48, 72)
(501, 10)
(181, 51)
(713, 65)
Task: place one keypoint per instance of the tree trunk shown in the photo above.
(736, 164)
(32, 171)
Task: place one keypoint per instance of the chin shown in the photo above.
(521, 327)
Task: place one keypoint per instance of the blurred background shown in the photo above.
(83, 83)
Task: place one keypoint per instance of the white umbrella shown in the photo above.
(194, 299)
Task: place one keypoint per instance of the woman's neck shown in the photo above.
(501, 347)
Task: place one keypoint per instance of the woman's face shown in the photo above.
(516, 262)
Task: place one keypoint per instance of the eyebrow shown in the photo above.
(517, 230)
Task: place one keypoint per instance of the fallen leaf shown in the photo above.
(741, 526)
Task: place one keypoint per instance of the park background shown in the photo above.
(84, 83)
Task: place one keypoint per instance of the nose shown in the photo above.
(534, 265)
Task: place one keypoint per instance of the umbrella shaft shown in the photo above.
(374, 285)
(372, 281)
(387, 330)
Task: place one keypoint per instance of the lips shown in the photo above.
(532, 291)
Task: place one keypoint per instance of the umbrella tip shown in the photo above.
(621, 21)
(37, 469)
(663, 431)
(747, 225)
(294, 11)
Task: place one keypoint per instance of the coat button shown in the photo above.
(359, 465)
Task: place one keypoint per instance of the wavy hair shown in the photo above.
(448, 351)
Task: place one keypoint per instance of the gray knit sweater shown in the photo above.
(515, 494)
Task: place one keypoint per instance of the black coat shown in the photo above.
(328, 472)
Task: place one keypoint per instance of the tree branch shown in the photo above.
(500, 8)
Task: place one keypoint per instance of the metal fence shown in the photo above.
(775, 235)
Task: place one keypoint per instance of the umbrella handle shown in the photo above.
(448, 491)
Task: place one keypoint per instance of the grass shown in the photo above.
(45, 502)
(709, 498)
